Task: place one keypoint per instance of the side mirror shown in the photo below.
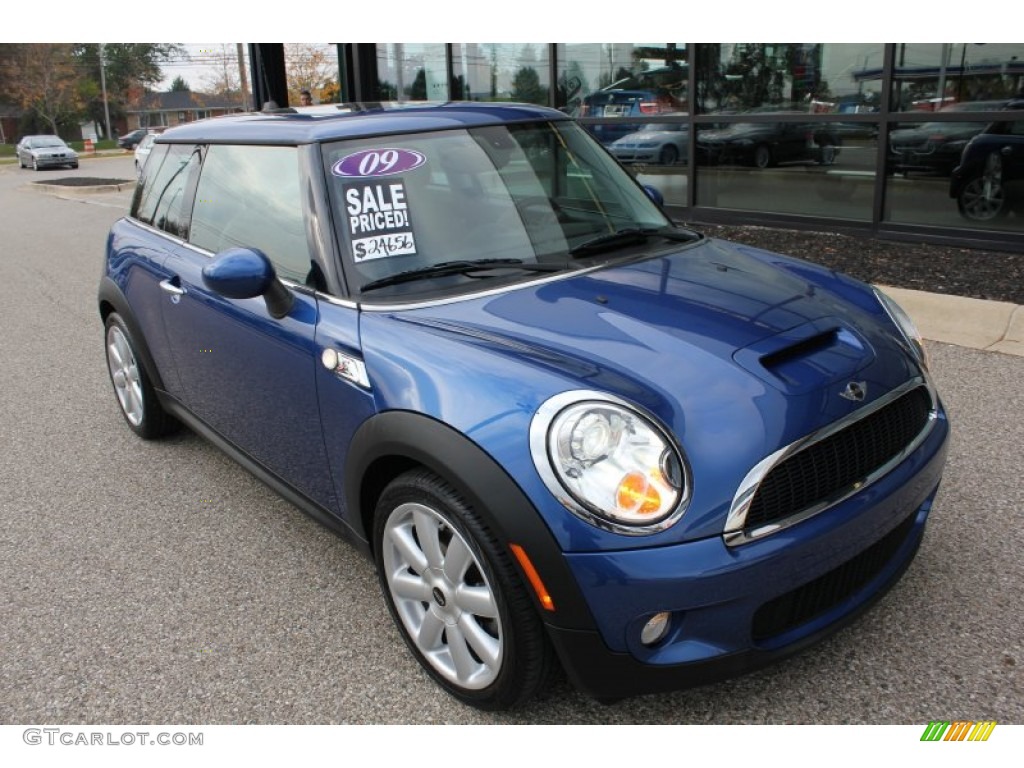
(655, 195)
(244, 273)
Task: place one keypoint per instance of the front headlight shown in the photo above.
(906, 325)
(608, 463)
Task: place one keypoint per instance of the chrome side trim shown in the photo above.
(734, 533)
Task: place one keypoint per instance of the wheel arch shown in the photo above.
(393, 442)
(110, 299)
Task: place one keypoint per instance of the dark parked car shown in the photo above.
(45, 151)
(564, 429)
(935, 147)
(131, 139)
(766, 144)
(989, 181)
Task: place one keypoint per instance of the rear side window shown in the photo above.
(161, 194)
(250, 197)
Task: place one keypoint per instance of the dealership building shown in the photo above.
(856, 137)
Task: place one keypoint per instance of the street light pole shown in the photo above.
(103, 86)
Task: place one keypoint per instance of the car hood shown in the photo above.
(737, 351)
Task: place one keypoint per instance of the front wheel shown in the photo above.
(135, 394)
(982, 199)
(455, 596)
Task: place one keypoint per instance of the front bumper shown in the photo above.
(55, 162)
(737, 609)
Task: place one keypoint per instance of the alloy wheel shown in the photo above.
(442, 596)
(124, 373)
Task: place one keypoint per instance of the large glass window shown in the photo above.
(249, 197)
(502, 72)
(804, 168)
(622, 79)
(772, 77)
(929, 76)
(412, 72)
(957, 174)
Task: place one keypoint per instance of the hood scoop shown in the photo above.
(807, 357)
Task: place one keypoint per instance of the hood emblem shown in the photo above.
(855, 391)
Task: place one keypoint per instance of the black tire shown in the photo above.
(669, 155)
(828, 154)
(762, 156)
(134, 392)
(442, 602)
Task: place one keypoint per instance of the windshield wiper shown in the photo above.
(628, 236)
(461, 267)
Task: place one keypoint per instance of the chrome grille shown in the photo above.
(830, 467)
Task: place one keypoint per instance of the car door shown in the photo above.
(247, 375)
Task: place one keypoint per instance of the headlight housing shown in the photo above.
(608, 463)
(902, 321)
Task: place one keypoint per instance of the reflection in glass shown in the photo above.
(790, 168)
(770, 77)
(501, 72)
(930, 76)
(984, 189)
(412, 71)
(622, 79)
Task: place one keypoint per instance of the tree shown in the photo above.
(526, 87)
(47, 82)
(309, 67)
(130, 70)
(179, 84)
(223, 76)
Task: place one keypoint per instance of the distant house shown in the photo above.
(10, 116)
(156, 110)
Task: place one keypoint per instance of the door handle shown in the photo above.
(169, 287)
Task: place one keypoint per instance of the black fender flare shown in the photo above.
(110, 293)
(393, 441)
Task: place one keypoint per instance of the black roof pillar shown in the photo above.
(269, 83)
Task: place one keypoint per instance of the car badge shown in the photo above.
(855, 391)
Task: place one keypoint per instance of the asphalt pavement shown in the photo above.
(158, 582)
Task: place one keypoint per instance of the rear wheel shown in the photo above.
(669, 155)
(762, 156)
(455, 595)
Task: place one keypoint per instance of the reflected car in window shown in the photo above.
(564, 430)
(38, 152)
(142, 152)
(935, 147)
(989, 181)
(654, 143)
(764, 145)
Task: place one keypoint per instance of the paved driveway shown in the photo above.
(160, 583)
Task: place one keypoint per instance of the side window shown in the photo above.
(160, 197)
(250, 197)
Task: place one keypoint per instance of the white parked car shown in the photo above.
(142, 150)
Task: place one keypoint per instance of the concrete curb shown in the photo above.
(994, 326)
(69, 191)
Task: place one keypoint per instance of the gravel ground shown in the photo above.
(981, 274)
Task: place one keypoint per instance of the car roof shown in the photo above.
(340, 121)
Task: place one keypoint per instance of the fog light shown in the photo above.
(656, 628)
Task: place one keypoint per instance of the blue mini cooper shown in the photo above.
(566, 431)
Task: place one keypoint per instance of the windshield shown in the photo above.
(423, 206)
(47, 141)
